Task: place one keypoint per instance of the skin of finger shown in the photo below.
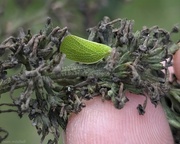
(176, 64)
(101, 123)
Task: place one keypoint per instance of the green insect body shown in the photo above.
(82, 50)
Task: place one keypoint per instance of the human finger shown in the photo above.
(101, 123)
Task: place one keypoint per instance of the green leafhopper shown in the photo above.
(82, 50)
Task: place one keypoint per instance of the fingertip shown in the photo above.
(176, 64)
(100, 123)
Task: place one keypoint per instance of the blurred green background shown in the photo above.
(77, 15)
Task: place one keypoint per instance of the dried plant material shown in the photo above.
(51, 91)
